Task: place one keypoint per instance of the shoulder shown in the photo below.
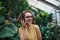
(36, 26)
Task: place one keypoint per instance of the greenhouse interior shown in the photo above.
(46, 14)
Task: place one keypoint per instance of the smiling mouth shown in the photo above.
(30, 21)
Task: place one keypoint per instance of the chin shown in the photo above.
(31, 22)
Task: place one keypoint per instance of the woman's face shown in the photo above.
(28, 17)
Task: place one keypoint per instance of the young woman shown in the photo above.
(28, 30)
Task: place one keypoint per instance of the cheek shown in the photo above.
(26, 19)
(30, 19)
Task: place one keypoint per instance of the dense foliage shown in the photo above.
(9, 11)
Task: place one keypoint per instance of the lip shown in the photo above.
(30, 21)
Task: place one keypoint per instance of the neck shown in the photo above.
(27, 25)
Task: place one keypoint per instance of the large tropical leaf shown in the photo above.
(8, 30)
(15, 38)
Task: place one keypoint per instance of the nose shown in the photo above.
(30, 18)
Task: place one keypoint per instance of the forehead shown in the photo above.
(28, 14)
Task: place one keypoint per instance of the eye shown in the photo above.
(29, 16)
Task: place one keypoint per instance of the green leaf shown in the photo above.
(0, 3)
(11, 26)
(1, 19)
(8, 30)
(16, 37)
